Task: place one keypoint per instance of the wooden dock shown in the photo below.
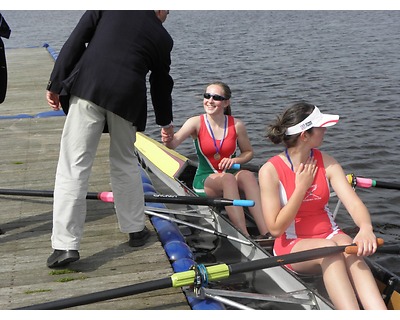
(29, 152)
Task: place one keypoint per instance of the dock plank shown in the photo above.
(29, 153)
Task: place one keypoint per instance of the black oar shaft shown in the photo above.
(200, 201)
(275, 261)
(102, 295)
(186, 278)
(389, 248)
(387, 185)
(29, 193)
(40, 193)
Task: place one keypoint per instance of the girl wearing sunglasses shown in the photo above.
(216, 135)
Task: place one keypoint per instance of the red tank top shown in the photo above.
(206, 147)
(313, 220)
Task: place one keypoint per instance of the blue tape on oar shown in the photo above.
(243, 203)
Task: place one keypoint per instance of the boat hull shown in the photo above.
(172, 169)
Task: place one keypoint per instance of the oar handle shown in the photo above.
(238, 166)
(243, 203)
(104, 196)
(352, 249)
(364, 182)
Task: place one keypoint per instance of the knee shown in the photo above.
(228, 178)
(246, 177)
(246, 180)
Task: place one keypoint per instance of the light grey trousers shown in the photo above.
(80, 138)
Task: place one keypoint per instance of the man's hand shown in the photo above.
(167, 134)
(53, 100)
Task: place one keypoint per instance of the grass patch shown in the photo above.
(37, 291)
(18, 162)
(65, 279)
(63, 271)
(68, 279)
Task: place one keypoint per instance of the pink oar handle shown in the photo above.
(364, 182)
(106, 196)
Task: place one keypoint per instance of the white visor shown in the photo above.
(315, 119)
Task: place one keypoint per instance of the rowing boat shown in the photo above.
(271, 288)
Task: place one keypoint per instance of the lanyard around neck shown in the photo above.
(290, 160)
(217, 154)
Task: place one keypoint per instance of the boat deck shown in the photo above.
(28, 159)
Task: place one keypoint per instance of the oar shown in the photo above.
(389, 248)
(186, 278)
(369, 183)
(108, 197)
(217, 233)
(250, 167)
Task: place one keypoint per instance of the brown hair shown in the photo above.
(276, 132)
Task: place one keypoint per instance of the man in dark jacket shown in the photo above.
(5, 32)
(99, 79)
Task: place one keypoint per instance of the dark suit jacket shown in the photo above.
(107, 58)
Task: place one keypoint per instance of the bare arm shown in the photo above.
(246, 150)
(189, 128)
(365, 239)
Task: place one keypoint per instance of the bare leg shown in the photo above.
(225, 185)
(334, 271)
(364, 283)
(248, 183)
(361, 278)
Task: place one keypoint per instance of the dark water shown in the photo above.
(346, 62)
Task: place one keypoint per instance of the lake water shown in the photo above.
(346, 62)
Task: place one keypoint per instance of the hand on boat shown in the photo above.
(53, 100)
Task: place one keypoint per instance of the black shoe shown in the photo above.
(61, 258)
(137, 239)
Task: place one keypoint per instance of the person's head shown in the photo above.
(220, 94)
(162, 15)
(297, 119)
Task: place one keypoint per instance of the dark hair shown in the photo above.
(276, 132)
(227, 94)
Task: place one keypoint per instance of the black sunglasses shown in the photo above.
(216, 97)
